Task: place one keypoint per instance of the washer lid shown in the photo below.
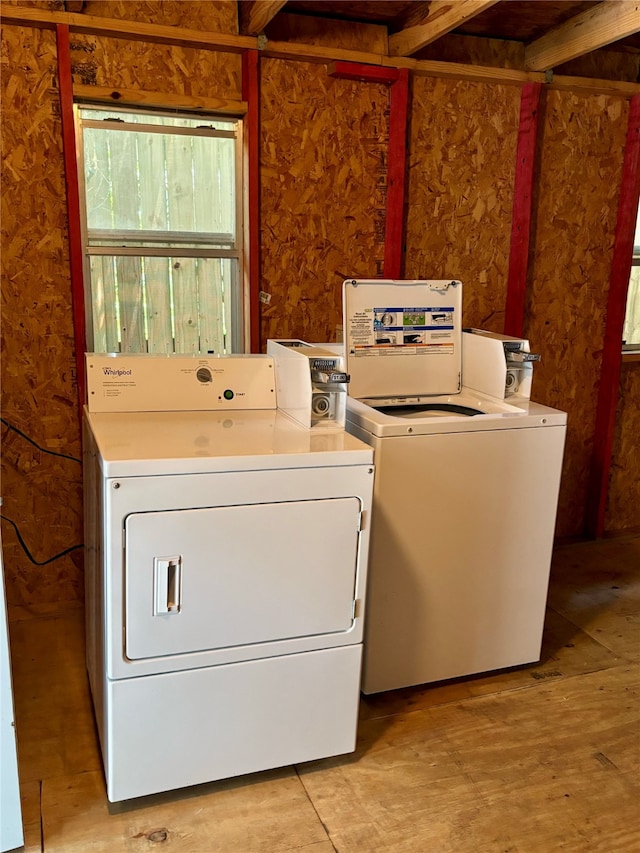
(403, 338)
(391, 418)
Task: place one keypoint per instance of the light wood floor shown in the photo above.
(537, 760)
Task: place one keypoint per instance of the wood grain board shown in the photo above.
(582, 142)
(218, 16)
(623, 507)
(42, 492)
(323, 194)
(597, 586)
(460, 191)
(497, 773)
(121, 64)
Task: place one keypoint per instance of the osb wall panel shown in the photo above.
(306, 29)
(42, 492)
(155, 67)
(623, 505)
(45, 5)
(323, 177)
(580, 163)
(607, 64)
(460, 190)
(220, 16)
(475, 51)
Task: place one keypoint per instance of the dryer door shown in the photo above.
(212, 578)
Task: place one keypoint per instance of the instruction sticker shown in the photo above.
(402, 331)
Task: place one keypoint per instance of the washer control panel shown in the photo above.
(176, 383)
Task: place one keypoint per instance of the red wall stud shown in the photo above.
(616, 307)
(398, 80)
(396, 180)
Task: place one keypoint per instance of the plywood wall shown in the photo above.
(213, 15)
(98, 61)
(307, 29)
(623, 505)
(42, 492)
(323, 172)
(580, 164)
(460, 190)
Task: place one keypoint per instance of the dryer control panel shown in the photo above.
(176, 383)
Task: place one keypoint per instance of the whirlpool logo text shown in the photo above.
(109, 371)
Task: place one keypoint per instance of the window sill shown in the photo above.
(630, 355)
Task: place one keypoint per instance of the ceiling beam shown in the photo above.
(416, 13)
(254, 15)
(605, 23)
(443, 16)
(119, 28)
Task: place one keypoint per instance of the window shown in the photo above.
(163, 231)
(631, 330)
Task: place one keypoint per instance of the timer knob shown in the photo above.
(204, 374)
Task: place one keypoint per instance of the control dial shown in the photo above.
(204, 375)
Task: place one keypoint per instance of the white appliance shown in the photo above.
(465, 494)
(11, 833)
(225, 570)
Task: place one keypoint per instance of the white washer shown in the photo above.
(225, 571)
(464, 503)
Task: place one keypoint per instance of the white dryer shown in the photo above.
(226, 565)
(465, 495)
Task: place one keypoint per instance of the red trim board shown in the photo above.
(365, 73)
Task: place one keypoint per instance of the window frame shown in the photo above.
(632, 349)
(631, 352)
(110, 239)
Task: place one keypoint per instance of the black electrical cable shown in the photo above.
(37, 446)
(28, 552)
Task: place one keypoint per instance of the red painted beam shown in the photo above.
(65, 82)
(365, 73)
(251, 94)
(522, 204)
(396, 177)
(616, 308)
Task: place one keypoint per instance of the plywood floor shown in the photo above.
(534, 760)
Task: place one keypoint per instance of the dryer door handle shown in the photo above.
(167, 585)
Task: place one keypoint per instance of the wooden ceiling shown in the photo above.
(589, 45)
(547, 33)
